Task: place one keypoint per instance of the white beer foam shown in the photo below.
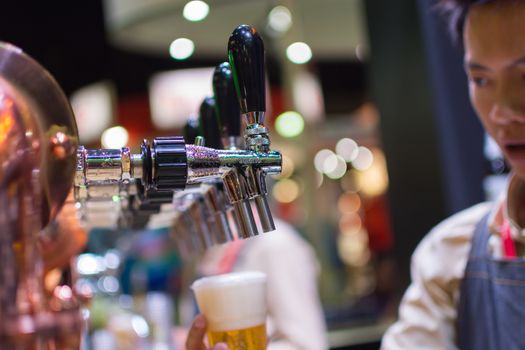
(232, 301)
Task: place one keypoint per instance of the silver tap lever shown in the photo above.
(236, 188)
(198, 214)
(217, 210)
(257, 184)
(183, 228)
(197, 240)
(190, 223)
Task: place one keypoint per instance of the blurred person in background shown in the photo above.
(295, 317)
(468, 273)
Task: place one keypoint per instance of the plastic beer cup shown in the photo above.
(234, 305)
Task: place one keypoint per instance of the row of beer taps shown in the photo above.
(205, 181)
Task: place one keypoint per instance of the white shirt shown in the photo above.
(428, 310)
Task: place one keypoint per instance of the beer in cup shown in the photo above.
(234, 305)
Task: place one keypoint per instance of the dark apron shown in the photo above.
(492, 302)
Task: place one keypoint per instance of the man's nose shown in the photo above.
(509, 105)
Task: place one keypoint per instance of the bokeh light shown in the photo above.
(320, 158)
(195, 10)
(374, 180)
(334, 167)
(112, 259)
(89, 264)
(108, 284)
(140, 326)
(347, 148)
(181, 48)
(299, 53)
(350, 224)
(280, 19)
(115, 137)
(364, 158)
(289, 124)
(349, 202)
(285, 191)
(353, 248)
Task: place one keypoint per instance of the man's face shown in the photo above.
(494, 40)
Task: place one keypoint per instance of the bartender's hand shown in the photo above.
(195, 340)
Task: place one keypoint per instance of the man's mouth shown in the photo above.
(515, 151)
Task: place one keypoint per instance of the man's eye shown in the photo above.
(479, 81)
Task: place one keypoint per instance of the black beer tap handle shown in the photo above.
(226, 103)
(209, 124)
(246, 56)
(191, 130)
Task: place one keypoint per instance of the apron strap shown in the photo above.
(480, 238)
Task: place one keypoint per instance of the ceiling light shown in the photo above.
(115, 137)
(195, 11)
(181, 48)
(280, 19)
(299, 53)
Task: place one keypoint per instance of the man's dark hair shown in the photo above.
(456, 12)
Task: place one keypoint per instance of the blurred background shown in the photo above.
(367, 101)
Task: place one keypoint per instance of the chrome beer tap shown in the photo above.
(246, 56)
(168, 164)
(228, 112)
(203, 202)
(213, 191)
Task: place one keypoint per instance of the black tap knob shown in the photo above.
(226, 103)
(191, 130)
(209, 124)
(246, 56)
(170, 163)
